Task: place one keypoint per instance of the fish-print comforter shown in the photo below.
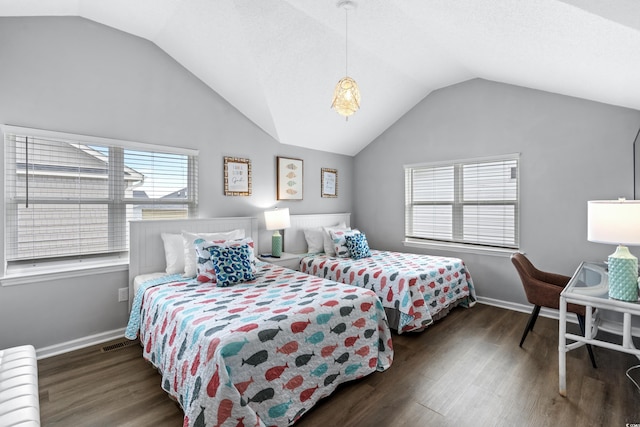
(417, 286)
(260, 353)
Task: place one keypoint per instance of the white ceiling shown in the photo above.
(277, 61)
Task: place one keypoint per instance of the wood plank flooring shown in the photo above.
(466, 370)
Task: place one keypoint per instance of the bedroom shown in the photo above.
(66, 74)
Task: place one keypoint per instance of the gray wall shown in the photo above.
(572, 151)
(72, 75)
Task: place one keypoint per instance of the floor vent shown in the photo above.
(119, 345)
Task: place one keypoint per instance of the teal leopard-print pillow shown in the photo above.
(232, 264)
(207, 251)
(358, 246)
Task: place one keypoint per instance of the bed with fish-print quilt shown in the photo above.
(259, 353)
(415, 290)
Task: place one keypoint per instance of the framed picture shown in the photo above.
(329, 180)
(289, 182)
(237, 176)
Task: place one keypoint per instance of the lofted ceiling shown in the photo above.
(277, 61)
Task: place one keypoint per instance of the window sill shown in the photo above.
(25, 275)
(457, 247)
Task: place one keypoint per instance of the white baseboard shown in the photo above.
(523, 308)
(606, 325)
(65, 347)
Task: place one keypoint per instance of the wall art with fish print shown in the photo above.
(289, 178)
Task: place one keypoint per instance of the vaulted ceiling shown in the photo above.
(277, 61)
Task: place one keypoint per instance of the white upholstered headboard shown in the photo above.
(146, 249)
(294, 241)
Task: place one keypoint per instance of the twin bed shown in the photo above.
(263, 352)
(415, 290)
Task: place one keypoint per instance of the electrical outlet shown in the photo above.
(123, 294)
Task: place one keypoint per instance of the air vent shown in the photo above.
(118, 345)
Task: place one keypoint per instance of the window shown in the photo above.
(469, 202)
(71, 197)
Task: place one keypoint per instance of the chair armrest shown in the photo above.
(554, 279)
(542, 293)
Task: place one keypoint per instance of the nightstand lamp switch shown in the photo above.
(617, 222)
(276, 220)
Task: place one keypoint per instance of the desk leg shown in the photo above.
(562, 348)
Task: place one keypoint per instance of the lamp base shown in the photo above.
(276, 245)
(623, 275)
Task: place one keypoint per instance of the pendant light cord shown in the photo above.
(346, 41)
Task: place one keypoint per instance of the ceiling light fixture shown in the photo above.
(346, 97)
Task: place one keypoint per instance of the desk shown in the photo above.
(589, 287)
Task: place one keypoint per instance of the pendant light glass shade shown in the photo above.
(346, 97)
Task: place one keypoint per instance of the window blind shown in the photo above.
(69, 196)
(469, 202)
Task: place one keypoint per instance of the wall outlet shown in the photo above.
(123, 294)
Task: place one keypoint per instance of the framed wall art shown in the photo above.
(289, 178)
(237, 176)
(329, 182)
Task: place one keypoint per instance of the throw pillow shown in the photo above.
(206, 252)
(340, 243)
(328, 240)
(232, 265)
(189, 239)
(358, 246)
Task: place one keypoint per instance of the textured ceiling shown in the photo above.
(277, 61)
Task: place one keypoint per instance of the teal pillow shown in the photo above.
(358, 246)
(232, 264)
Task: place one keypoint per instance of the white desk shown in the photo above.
(589, 287)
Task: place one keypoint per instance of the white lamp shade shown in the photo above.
(277, 219)
(614, 221)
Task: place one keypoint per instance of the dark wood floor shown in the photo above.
(467, 370)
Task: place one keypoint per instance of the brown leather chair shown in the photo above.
(543, 290)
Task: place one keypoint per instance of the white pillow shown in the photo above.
(328, 241)
(189, 250)
(173, 252)
(315, 239)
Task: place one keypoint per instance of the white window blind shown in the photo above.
(69, 196)
(470, 202)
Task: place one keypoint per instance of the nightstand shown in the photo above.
(288, 260)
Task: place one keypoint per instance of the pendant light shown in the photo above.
(346, 96)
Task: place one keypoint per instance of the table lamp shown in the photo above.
(277, 219)
(617, 222)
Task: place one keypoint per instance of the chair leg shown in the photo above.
(530, 323)
(589, 349)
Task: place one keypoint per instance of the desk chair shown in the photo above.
(543, 290)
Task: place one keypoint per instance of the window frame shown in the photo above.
(457, 242)
(17, 272)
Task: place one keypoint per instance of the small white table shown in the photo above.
(286, 259)
(589, 287)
